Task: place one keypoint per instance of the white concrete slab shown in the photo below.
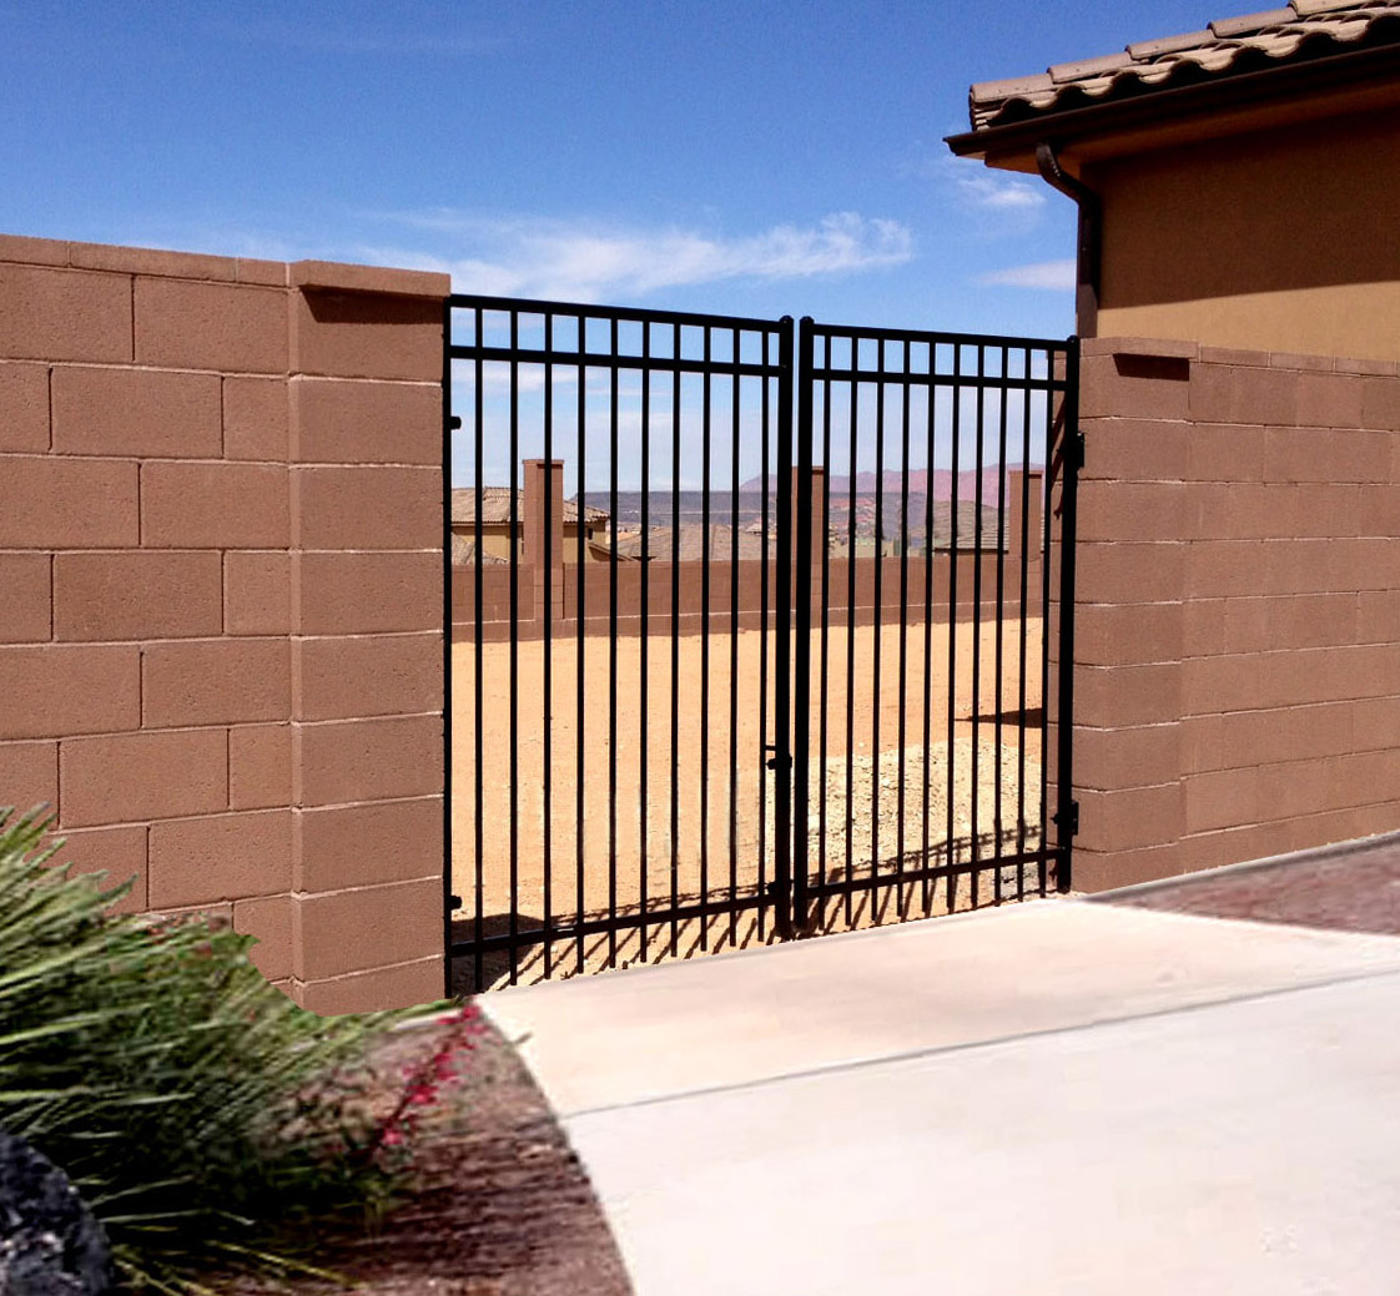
(713, 1022)
(1240, 1147)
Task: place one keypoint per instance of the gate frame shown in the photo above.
(789, 893)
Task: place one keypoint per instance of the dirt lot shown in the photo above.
(723, 836)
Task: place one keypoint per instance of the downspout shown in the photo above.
(1086, 304)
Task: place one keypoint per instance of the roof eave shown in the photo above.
(1351, 70)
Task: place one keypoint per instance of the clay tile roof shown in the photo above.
(1304, 30)
(495, 506)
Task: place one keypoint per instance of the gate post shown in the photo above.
(368, 601)
(781, 763)
(1066, 816)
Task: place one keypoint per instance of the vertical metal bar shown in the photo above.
(478, 928)
(447, 895)
(973, 876)
(1021, 616)
(879, 620)
(782, 667)
(802, 671)
(1003, 390)
(1045, 620)
(579, 613)
(547, 628)
(825, 617)
(675, 633)
(900, 911)
(763, 657)
(705, 646)
(734, 652)
(514, 918)
(851, 644)
(645, 610)
(612, 653)
(951, 884)
(1064, 717)
(926, 887)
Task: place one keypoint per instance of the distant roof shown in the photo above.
(464, 551)
(495, 506)
(1306, 30)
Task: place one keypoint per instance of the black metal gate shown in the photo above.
(676, 633)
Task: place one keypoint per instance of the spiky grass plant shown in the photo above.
(209, 1122)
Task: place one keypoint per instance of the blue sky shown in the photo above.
(734, 157)
(759, 158)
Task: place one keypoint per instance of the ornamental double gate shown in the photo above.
(755, 630)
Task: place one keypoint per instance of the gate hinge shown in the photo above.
(1078, 444)
(773, 763)
(1073, 819)
(454, 902)
(454, 422)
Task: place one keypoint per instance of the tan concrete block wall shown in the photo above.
(221, 567)
(1237, 610)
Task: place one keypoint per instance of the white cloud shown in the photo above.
(582, 261)
(983, 189)
(1056, 275)
(1001, 192)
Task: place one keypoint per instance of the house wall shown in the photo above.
(495, 539)
(1237, 676)
(221, 656)
(1285, 239)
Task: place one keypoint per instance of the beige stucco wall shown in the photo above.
(495, 539)
(1280, 240)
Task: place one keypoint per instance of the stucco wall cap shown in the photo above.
(1170, 347)
(343, 277)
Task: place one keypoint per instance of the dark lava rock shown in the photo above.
(50, 1245)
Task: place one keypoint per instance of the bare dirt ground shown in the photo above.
(709, 814)
(500, 1205)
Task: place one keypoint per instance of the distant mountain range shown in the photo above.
(866, 483)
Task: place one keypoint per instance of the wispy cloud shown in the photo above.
(998, 191)
(976, 187)
(588, 261)
(1056, 275)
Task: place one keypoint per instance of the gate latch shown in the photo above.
(1073, 825)
(773, 763)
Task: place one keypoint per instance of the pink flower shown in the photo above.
(392, 1138)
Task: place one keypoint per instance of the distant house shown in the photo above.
(1238, 186)
(496, 527)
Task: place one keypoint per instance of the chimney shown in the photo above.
(542, 484)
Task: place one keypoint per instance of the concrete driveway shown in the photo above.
(1061, 1097)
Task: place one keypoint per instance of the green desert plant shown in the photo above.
(209, 1121)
